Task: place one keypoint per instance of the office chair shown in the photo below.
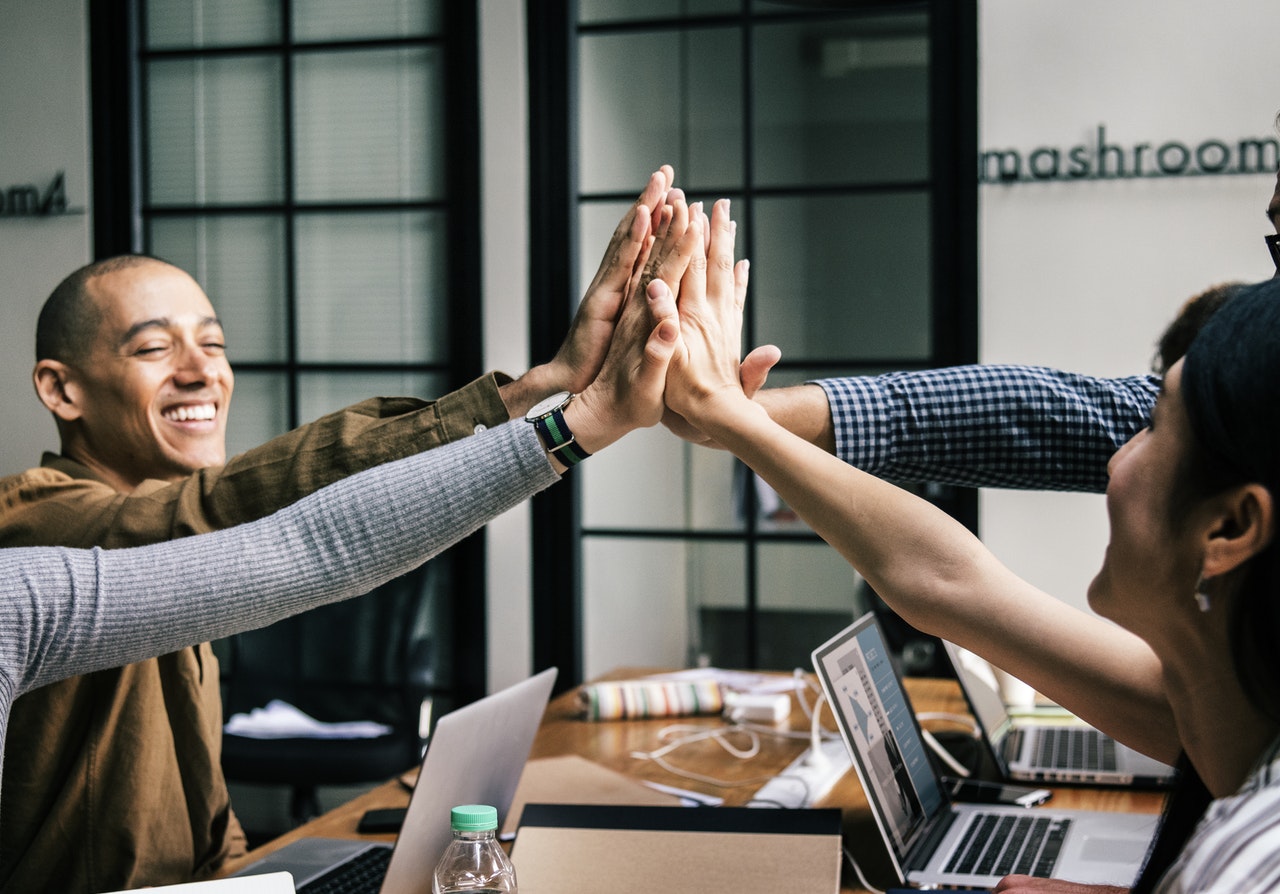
(369, 658)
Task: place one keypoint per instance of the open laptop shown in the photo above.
(932, 841)
(1038, 752)
(475, 756)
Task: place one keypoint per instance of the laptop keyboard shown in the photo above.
(1000, 844)
(362, 874)
(1071, 748)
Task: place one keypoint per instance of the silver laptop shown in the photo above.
(1061, 753)
(932, 841)
(475, 756)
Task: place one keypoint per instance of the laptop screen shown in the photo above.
(880, 728)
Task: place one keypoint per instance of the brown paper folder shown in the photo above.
(586, 849)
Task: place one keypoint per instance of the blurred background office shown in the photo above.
(393, 196)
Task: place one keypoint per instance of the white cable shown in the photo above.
(959, 719)
(862, 879)
(960, 769)
(817, 757)
(696, 734)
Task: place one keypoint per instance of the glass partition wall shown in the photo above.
(313, 164)
(835, 128)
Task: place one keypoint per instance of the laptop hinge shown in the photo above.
(924, 848)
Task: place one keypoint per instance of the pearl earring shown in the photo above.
(1202, 598)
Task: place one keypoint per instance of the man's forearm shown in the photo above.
(803, 410)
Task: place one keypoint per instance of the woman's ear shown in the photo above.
(56, 388)
(1243, 526)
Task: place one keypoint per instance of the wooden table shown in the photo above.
(611, 743)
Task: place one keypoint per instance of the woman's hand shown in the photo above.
(706, 378)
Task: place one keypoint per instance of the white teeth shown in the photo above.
(201, 413)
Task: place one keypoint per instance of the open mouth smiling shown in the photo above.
(191, 413)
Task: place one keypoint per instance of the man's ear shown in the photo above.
(1244, 526)
(56, 388)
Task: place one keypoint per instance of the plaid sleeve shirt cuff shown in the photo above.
(988, 425)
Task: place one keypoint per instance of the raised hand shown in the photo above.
(582, 353)
(706, 367)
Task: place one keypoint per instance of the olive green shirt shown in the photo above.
(113, 779)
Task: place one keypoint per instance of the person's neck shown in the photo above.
(115, 478)
(1221, 730)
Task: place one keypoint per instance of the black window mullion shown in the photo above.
(293, 385)
(557, 550)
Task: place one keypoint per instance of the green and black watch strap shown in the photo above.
(558, 438)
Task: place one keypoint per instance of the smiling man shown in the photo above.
(113, 779)
(146, 395)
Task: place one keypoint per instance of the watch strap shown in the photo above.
(558, 438)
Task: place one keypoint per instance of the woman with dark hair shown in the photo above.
(1191, 575)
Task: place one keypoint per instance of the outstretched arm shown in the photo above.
(983, 425)
(927, 566)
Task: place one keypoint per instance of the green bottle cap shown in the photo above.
(473, 818)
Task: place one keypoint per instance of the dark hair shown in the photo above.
(1231, 389)
(1192, 316)
(1183, 809)
(69, 320)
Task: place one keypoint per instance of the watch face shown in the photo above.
(543, 407)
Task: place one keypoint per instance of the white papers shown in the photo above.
(281, 720)
(269, 883)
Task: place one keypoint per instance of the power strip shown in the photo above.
(803, 782)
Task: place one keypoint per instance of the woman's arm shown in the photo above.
(927, 566)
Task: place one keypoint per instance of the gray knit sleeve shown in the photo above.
(73, 611)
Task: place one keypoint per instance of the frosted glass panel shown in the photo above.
(594, 11)
(808, 576)
(641, 598)
(596, 221)
(213, 130)
(172, 25)
(807, 594)
(240, 263)
(843, 276)
(369, 125)
(844, 102)
(315, 20)
(322, 393)
(666, 97)
(651, 479)
(259, 410)
(371, 288)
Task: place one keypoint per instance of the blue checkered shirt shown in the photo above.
(988, 426)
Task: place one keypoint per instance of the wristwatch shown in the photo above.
(547, 417)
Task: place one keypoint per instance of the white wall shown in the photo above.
(1085, 275)
(44, 128)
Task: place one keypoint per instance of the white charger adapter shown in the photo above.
(746, 707)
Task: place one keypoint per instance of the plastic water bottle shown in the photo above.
(474, 862)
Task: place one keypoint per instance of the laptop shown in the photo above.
(932, 841)
(475, 756)
(1056, 753)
